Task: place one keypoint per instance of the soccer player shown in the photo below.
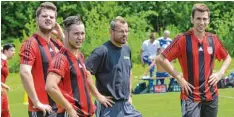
(7, 53)
(67, 77)
(111, 64)
(196, 50)
(35, 56)
(148, 52)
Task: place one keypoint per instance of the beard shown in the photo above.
(74, 46)
(121, 40)
(44, 30)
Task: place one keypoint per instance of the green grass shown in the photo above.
(16, 96)
(150, 105)
(168, 104)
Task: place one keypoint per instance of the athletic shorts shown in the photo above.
(199, 109)
(119, 109)
(65, 114)
(162, 74)
(147, 60)
(40, 114)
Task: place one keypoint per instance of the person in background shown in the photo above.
(148, 52)
(164, 42)
(7, 53)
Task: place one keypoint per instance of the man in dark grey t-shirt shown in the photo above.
(111, 64)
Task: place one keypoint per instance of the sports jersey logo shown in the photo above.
(51, 50)
(200, 49)
(210, 50)
(126, 57)
(80, 65)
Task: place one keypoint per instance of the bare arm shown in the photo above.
(160, 59)
(142, 62)
(130, 88)
(150, 67)
(27, 81)
(91, 85)
(225, 65)
(54, 92)
(215, 77)
(5, 86)
(57, 31)
(185, 86)
(130, 83)
(105, 100)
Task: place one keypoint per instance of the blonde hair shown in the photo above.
(46, 5)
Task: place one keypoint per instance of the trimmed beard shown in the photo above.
(45, 31)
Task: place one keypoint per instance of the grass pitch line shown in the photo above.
(230, 97)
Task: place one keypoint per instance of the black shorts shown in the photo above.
(65, 114)
(40, 114)
(199, 109)
(62, 114)
(119, 109)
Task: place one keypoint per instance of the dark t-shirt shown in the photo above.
(111, 66)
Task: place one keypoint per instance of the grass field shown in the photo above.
(150, 105)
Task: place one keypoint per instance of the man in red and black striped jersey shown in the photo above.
(67, 77)
(35, 56)
(196, 51)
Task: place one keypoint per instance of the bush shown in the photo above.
(14, 63)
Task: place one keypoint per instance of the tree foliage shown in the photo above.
(18, 20)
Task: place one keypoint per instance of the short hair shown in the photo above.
(201, 8)
(46, 5)
(8, 46)
(152, 34)
(72, 20)
(166, 31)
(117, 19)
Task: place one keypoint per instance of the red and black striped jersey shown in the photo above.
(38, 53)
(73, 84)
(196, 58)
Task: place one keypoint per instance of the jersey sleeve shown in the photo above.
(220, 51)
(94, 61)
(28, 52)
(58, 65)
(173, 51)
(57, 43)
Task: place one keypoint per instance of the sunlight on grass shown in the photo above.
(150, 105)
